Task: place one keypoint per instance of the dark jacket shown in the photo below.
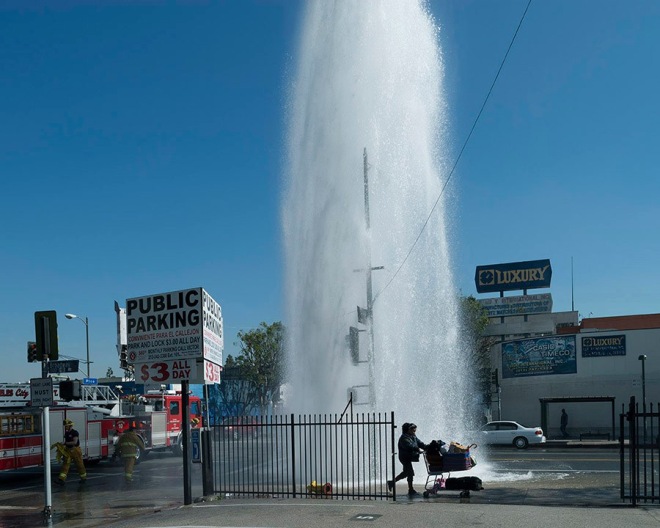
(71, 437)
(409, 446)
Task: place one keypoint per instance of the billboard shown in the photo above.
(614, 345)
(539, 357)
(168, 327)
(517, 305)
(513, 276)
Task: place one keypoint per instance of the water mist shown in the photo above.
(369, 77)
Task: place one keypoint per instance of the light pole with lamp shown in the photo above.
(86, 323)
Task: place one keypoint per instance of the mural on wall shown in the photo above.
(539, 357)
(604, 346)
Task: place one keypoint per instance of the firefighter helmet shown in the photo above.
(68, 423)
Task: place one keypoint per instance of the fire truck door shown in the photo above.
(94, 440)
(159, 430)
(56, 429)
(79, 417)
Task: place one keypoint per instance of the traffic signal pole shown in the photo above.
(48, 507)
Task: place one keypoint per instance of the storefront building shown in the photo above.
(546, 361)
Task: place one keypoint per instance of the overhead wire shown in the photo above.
(460, 154)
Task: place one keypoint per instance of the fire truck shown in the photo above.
(99, 417)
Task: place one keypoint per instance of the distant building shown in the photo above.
(549, 361)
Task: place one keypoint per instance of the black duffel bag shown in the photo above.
(464, 483)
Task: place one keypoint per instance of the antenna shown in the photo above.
(572, 297)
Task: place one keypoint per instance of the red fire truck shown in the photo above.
(99, 417)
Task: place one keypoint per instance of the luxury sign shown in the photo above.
(514, 276)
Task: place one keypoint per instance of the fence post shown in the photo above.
(622, 452)
(293, 455)
(393, 458)
(207, 462)
(632, 431)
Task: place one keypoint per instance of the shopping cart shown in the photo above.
(439, 467)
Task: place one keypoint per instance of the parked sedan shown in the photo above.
(504, 432)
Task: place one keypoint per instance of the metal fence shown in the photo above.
(323, 456)
(640, 458)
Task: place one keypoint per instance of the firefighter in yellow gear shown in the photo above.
(73, 452)
(130, 445)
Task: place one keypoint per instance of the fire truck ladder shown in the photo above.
(98, 395)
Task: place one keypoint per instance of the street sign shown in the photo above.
(41, 391)
(61, 367)
(90, 381)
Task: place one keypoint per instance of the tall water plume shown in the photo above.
(369, 76)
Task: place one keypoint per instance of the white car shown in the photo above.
(505, 432)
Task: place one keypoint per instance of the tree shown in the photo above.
(235, 396)
(474, 318)
(261, 361)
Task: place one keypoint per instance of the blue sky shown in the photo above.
(142, 149)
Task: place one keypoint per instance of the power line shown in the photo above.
(460, 154)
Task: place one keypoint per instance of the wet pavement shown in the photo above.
(104, 499)
(156, 499)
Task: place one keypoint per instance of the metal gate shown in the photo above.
(325, 456)
(640, 458)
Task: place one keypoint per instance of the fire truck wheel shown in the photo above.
(177, 449)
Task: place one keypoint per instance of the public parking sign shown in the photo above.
(41, 392)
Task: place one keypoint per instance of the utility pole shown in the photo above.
(371, 356)
(370, 302)
(366, 315)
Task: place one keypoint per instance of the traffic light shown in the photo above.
(70, 390)
(32, 354)
(45, 325)
(123, 357)
(354, 344)
(363, 315)
(494, 378)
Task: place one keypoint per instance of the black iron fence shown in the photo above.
(324, 456)
(640, 458)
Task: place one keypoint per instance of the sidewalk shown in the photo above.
(411, 514)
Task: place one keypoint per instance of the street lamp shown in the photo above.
(86, 323)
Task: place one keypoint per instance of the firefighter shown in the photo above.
(130, 444)
(73, 452)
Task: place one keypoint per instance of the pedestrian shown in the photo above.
(130, 445)
(73, 452)
(564, 423)
(409, 449)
